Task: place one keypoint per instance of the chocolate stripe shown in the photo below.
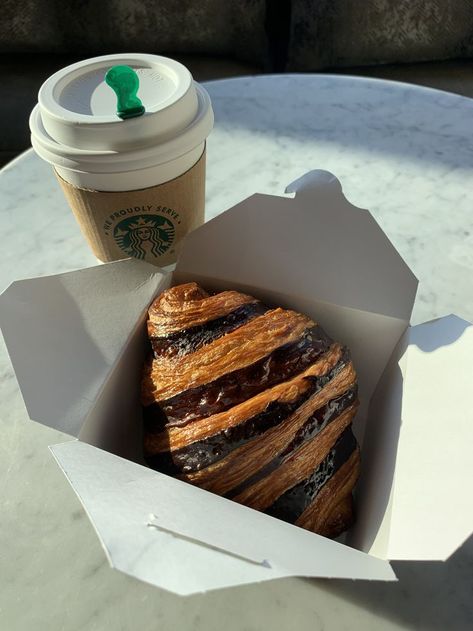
(331, 511)
(189, 340)
(291, 504)
(313, 426)
(243, 462)
(173, 438)
(239, 385)
(164, 378)
(203, 453)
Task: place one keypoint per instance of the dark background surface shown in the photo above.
(429, 42)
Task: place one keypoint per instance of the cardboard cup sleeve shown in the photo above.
(147, 224)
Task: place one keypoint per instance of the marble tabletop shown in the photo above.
(404, 152)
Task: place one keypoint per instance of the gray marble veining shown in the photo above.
(403, 152)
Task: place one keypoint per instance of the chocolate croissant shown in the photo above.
(252, 403)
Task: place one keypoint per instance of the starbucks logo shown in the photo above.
(144, 235)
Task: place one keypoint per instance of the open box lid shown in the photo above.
(432, 511)
(187, 540)
(317, 244)
(64, 342)
(413, 503)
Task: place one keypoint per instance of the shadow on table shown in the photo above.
(374, 116)
(429, 595)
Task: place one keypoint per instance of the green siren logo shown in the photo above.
(144, 235)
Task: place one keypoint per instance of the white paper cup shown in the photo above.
(136, 186)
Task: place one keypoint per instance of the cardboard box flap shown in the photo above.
(431, 511)
(280, 244)
(374, 490)
(63, 348)
(202, 541)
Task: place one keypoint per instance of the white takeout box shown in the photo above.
(77, 343)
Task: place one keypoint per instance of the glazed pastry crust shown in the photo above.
(165, 378)
(253, 403)
(187, 306)
(177, 437)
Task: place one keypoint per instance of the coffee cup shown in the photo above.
(135, 185)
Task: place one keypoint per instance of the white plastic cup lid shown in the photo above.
(76, 116)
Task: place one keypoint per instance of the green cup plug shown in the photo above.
(125, 83)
